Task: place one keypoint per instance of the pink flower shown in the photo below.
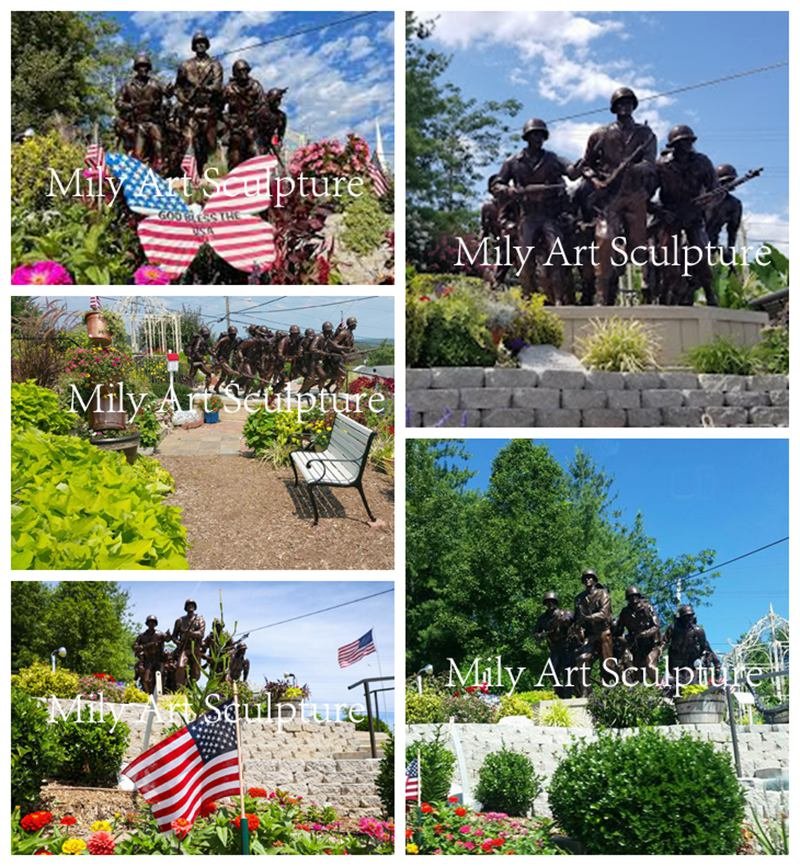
(41, 274)
(150, 275)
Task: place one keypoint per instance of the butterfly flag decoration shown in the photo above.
(172, 232)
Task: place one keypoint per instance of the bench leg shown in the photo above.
(294, 467)
(313, 503)
(364, 500)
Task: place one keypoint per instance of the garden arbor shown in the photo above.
(765, 646)
(154, 329)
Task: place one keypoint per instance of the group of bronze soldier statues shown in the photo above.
(193, 650)
(631, 644)
(266, 359)
(619, 175)
(159, 123)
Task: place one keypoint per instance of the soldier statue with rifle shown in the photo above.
(271, 122)
(187, 635)
(196, 354)
(242, 97)
(639, 626)
(149, 651)
(141, 103)
(554, 626)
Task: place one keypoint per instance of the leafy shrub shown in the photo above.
(533, 697)
(437, 764)
(92, 748)
(622, 706)
(153, 475)
(468, 708)
(378, 725)
(75, 506)
(619, 345)
(771, 353)
(424, 709)
(557, 715)
(274, 435)
(514, 705)
(32, 406)
(31, 161)
(647, 794)
(385, 779)
(507, 783)
(92, 686)
(40, 681)
(149, 427)
(133, 695)
(365, 224)
(721, 355)
(33, 748)
(533, 324)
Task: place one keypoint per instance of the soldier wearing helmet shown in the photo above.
(339, 348)
(638, 625)
(198, 90)
(684, 174)
(554, 626)
(242, 97)
(724, 213)
(533, 182)
(271, 121)
(499, 225)
(688, 649)
(288, 350)
(593, 621)
(199, 349)
(187, 635)
(149, 651)
(140, 106)
(222, 354)
(619, 161)
(249, 359)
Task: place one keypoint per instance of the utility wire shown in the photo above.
(734, 75)
(736, 558)
(314, 612)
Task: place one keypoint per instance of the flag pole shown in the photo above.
(244, 825)
(99, 169)
(419, 779)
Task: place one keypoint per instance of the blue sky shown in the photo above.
(564, 63)
(307, 647)
(730, 495)
(340, 79)
(375, 314)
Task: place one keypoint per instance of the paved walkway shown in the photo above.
(224, 438)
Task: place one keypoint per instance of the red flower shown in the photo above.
(102, 842)
(252, 821)
(181, 827)
(424, 298)
(460, 811)
(257, 792)
(35, 821)
(409, 833)
(426, 808)
(487, 845)
(452, 799)
(68, 820)
(207, 808)
(44, 851)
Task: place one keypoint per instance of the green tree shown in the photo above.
(191, 322)
(381, 354)
(29, 641)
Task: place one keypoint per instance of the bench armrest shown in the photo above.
(324, 460)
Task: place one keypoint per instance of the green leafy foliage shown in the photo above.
(514, 705)
(32, 406)
(274, 435)
(720, 356)
(39, 680)
(31, 161)
(385, 779)
(534, 324)
(437, 764)
(771, 353)
(619, 345)
(425, 708)
(33, 748)
(75, 506)
(557, 715)
(613, 795)
(621, 706)
(507, 783)
(365, 224)
(149, 427)
(91, 748)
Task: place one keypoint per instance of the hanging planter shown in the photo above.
(97, 328)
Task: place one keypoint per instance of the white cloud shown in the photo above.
(763, 227)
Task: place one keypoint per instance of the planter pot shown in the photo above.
(705, 709)
(211, 417)
(497, 334)
(275, 709)
(129, 445)
(97, 328)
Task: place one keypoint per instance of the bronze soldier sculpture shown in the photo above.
(724, 213)
(140, 103)
(199, 349)
(243, 96)
(687, 645)
(222, 354)
(620, 163)
(499, 218)
(287, 355)
(316, 357)
(271, 122)
(338, 349)
(592, 625)
(534, 180)
(239, 668)
(638, 624)
(187, 635)
(554, 626)
(198, 90)
(149, 651)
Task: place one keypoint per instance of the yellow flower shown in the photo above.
(411, 848)
(73, 846)
(101, 825)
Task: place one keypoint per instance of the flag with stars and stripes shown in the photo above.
(95, 156)
(189, 166)
(197, 763)
(144, 190)
(412, 780)
(350, 653)
(378, 178)
(94, 303)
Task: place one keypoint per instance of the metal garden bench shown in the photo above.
(341, 464)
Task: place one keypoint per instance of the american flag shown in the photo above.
(413, 780)
(189, 166)
(350, 653)
(197, 763)
(378, 178)
(94, 303)
(95, 156)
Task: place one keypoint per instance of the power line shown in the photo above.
(734, 75)
(736, 558)
(314, 612)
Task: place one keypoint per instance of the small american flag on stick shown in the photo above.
(413, 782)
(350, 653)
(197, 763)
(378, 178)
(189, 166)
(94, 303)
(95, 156)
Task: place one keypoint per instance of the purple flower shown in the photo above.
(41, 274)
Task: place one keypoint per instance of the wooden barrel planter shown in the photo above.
(707, 708)
(129, 444)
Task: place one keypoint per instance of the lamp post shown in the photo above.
(427, 671)
(293, 678)
(61, 652)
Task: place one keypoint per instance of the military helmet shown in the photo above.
(726, 172)
(252, 330)
(588, 573)
(310, 332)
(241, 64)
(535, 124)
(326, 327)
(232, 330)
(294, 329)
(685, 610)
(142, 59)
(681, 132)
(623, 93)
(549, 596)
(189, 601)
(150, 619)
(204, 332)
(200, 37)
(633, 592)
(276, 92)
(352, 322)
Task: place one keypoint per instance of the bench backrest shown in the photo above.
(350, 441)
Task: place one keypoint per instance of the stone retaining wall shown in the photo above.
(505, 397)
(761, 747)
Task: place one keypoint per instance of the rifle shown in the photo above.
(605, 183)
(707, 198)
